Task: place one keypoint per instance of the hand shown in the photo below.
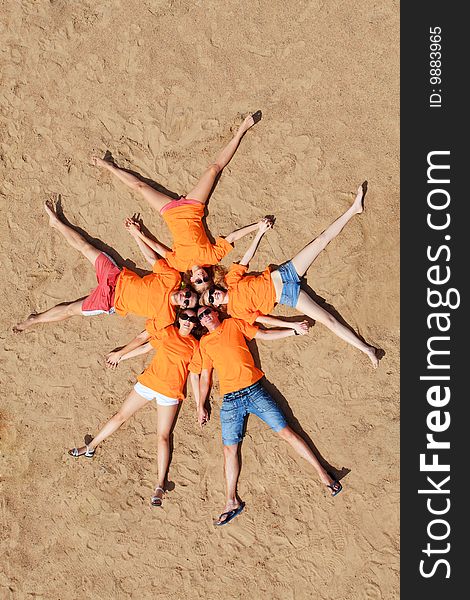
(265, 224)
(202, 416)
(112, 360)
(132, 226)
(301, 328)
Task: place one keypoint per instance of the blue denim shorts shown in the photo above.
(291, 284)
(255, 400)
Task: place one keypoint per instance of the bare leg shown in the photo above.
(156, 199)
(303, 450)
(65, 310)
(72, 237)
(309, 307)
(205, 184)
(305, 257)
(166, 418)
(57, 313)
(131, 405)
(232, 471)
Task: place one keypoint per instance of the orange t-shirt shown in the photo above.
(249, 296)
(191, 246)
(148, 296)
(175, 356)
(226, 351)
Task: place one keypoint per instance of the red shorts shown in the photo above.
(101, 299)
(182, 201)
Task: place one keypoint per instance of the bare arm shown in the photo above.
(274, 334)
(239, 233)
(263, 227)
(204, 385)
(139, 345)
(300, 327)
(194, 379)
(151, 249)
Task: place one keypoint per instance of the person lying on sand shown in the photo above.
(192, 250)
(155, 296)
(224, 348)
(163, 381)
(252, 297)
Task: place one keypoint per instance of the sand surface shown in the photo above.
(161, 85)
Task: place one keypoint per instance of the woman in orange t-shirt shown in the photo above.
(192, 250)
(164, 380)
(252, 297)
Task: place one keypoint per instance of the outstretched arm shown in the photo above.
(151, 249)
(139, 345)
(239, 233)
(276, 334)
(204, 385)
(300, 327)
(263, 227)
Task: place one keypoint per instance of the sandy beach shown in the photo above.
(161, 86)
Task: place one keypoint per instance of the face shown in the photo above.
(200, 280)
(187, 321)
(207, 316)
(214, 297)
(187, 299)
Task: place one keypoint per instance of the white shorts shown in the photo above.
(93, 313)
(149, 394)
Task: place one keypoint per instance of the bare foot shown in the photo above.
(96, 161)
(359, 201)
(249, 121)
(50, 210)
(372, 354)
(24, 324)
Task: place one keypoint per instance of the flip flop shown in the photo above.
(155, 500)
(335, 487)
(257, 116)
(89, 453)
(229, 515)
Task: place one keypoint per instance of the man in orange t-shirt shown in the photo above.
(154, 296)
(224, 348)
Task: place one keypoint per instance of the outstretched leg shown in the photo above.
(56, 313)
(156, 199)
(205, 184)
(72, 237)
(68, 309)
(232, 472)
(166, 417)
(305, 257)
(309, 307)
(131, 405)
(303, 450)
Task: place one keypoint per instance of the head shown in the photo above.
(208, 317)
(187, 320)
(215, 296)
(186, 298)
(200, 279)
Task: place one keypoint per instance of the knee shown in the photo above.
(286, 433)
(138, 185)
(214, 169)
(120, 417)
(163, 438)
(230, 451)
